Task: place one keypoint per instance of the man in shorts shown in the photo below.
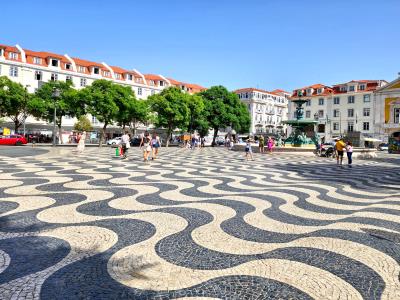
(340, 146)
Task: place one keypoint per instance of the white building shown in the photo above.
(342, 108)
(31, 69)
(267, 109)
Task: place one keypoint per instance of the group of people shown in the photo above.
(149, 144)
(340, 147)
(261, 144)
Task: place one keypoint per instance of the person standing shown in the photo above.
(248, 150)
(202, 141)
(261, 144)
(270, 144)
(125, 144)
(81, 143)
(155, 144)
(349, 152)
(145, 143)
(340, 146)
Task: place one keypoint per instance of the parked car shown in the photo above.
(14, 139)
(326, 146)
(383, 147)
(114, 141)
(135, 142)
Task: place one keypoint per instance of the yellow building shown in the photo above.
(387, 111)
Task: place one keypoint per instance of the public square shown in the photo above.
(200, 223)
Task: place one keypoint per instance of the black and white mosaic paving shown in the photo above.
(199, 223)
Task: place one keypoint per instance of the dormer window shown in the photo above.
(130, 77)
(361, 87)
(117, 76)
(106, 74)
(37, 60)
(96, 70)
(68, 66)
(309, 91)
(81, 69)
(351, 88)
(343, 88)
(319, 91)
(151, 82)
(13, 55)
(54, 62)
(161, 83)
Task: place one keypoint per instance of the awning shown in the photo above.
(372, 140)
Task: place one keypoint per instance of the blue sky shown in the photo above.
(266, 44)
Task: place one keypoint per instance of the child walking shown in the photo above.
(349, 152)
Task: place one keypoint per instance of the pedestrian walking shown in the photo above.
(349, 152)
(340, 146)
(125, 144)
(155, 145)
(145, 143)
(202, 142)
(248, 150)
(81, 143)
(261, 144)
(270, 144)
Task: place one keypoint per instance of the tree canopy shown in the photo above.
(83, 124)
(14, 101)
(171, 109)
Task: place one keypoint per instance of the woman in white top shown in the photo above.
(81, 143)
(145, 142)
(155, 144)
(349, 152)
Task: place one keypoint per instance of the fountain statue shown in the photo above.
(298, 137)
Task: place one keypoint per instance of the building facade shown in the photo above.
(387, 114)
(342, 109)
(32, 68)
(267, 109)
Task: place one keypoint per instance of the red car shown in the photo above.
(14, 139)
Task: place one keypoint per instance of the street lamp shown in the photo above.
(55, 95)
(25, 116)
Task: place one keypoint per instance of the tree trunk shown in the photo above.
(103, 133)
(59, 134)
(169, 132)
(214, 137)
(16, 124)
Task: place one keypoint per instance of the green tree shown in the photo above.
(171, 110)
(223, 109)
(14, 101)
(195, 106)
(67, 103)
(108, 102)
(83, 124)
(139, 113)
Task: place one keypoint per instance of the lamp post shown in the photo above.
(25, 116)
(55, 95)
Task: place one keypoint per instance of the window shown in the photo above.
(54, 62)
(396, 115)
(68, 78)
(81, 69)
(38, 75)
(13, 55)
(335, 126)
(350, 113)
(94, 120)
(14, 71)
(138, 80)
(319, 91)
(54, 77)
(130, 77)
(308, 103)
(336, 113)
(1, 52)
(161, 83)
(139, 91)
(351, 88)
(117, 76)
(366, 112)
(308, 91)
(96, 70)
(343, 88)
(308, 114)
(350, 126)
(106, 73)
(320, 114)
(321, 101)
(366, 126)
(37, 60)
(361, 87)
(68, 67)
(83, 81)
(350, 99)
(367, 98)
(336, 100)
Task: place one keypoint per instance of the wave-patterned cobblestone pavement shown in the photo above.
(197, 224)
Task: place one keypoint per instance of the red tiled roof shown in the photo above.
(243, 90)
(152, 77)
(279, 91)
(86, 63)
